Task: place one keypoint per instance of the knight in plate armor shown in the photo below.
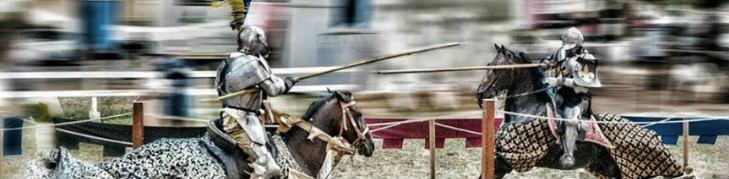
(569, 74)
(243, 70)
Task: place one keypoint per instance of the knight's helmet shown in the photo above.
(572, 38)
(252, 41)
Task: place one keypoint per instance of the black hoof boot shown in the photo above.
(567, 161)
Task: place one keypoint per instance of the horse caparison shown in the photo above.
(523, 142)
(190, 158)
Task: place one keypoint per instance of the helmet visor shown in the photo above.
(568, 45)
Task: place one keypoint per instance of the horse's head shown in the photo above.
(345, 120)
(496, 81)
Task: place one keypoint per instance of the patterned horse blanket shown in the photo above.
(164, 158)
(638, 152)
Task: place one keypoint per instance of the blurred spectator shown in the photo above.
(178, 102)
(352, 13)
(712, 30)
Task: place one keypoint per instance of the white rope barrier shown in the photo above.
(144, 74)
(393, 124)
(94, 137)
(178, 118)
(669, 120)
(458, 129)
(397, 123)
(620, 122)
(83, 135)
(67, 123)
(142, 92)
(421, 119)
(657, 122)
(524, 94)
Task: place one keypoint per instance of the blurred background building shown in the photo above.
(653, 53)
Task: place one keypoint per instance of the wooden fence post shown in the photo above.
(2, 133)
(137, 124)
(487, 139)
(685, 144)
(431, 135)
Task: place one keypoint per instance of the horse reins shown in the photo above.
(361, 134)
(348, 117)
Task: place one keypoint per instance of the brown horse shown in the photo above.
(328, 115)
(207, 158)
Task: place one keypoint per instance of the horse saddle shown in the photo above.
(589, 131)
(226, 150)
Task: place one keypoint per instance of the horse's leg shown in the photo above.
(501, 168)
(607, 168)
(604, 164)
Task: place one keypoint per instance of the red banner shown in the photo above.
(393, 137)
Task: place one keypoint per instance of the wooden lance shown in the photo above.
(390, 72)
(356, 64)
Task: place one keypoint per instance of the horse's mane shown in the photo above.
(523, 58)
(344, 96)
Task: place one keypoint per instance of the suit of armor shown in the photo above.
(569, 74)
(248, 69)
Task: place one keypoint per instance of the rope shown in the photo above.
(657, 122)
(458, 129)
(66, 123)
(526, 93)
(179, 118)
(668, 120)
(83, 135)
(94, 137)
(393, 124)
(619, 122)
(441, 117)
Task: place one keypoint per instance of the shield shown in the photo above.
(586, 74)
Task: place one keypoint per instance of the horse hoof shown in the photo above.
(567, 161)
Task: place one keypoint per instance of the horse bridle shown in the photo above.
(348, 117)
(498, 77)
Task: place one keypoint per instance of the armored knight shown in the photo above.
(570, 73)
(247, 69)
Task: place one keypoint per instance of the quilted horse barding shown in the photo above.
(637, 151)
(523, 142)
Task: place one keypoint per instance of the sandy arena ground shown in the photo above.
(454, 161)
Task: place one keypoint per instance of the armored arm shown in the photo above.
(546, 65)
(275, 85)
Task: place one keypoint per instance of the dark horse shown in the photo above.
(192, 157)
(526, 96)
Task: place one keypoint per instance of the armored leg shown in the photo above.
(570, 135)
(250, 135)
(231, 127)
